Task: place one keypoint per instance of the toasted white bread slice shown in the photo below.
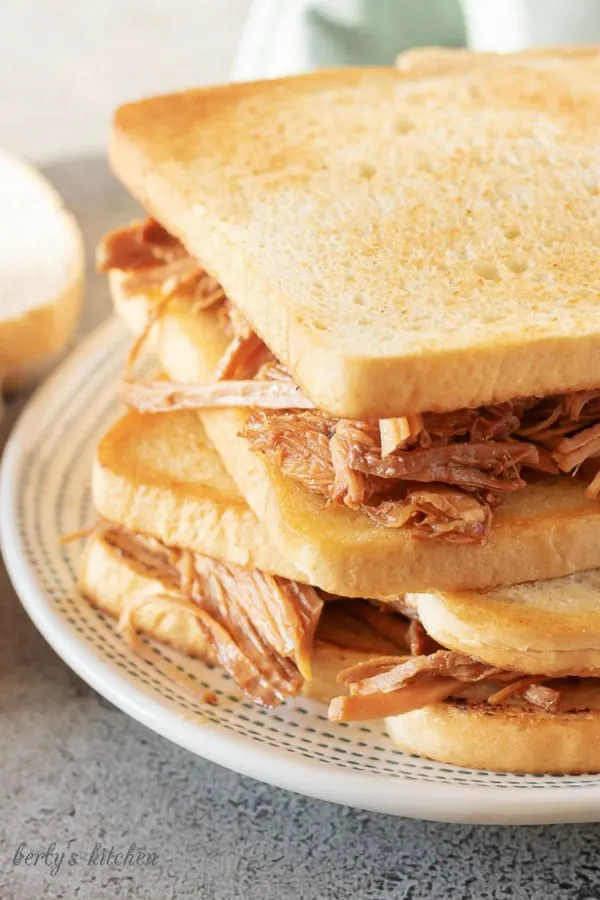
(401, 243)
(548, 530)
(160, 475)
(503, 739)
(41, 272)
(109, 582)
(543, 627)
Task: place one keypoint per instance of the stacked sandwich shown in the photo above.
(370, 466)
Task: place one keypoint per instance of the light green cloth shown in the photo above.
(282, 37)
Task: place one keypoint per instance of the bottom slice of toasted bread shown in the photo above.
(502, 739)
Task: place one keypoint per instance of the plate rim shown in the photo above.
(466, 804)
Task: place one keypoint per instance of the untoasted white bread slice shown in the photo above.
(109, 582)
(503, 739)
(549, 529)
(160, 475)
(542, 627)
(400, 243)
(41, 272)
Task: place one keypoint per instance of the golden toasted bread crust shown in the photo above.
(541, 627)
(160, 475)
(501, 739)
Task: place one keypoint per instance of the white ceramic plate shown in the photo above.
(45, 494)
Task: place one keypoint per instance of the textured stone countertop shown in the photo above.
(73, 768)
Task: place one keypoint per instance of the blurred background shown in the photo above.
(65, 64)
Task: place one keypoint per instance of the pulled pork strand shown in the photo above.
(259, 627)
(354, 708)
(437, 512)
(153, 261)
(369, 678)
(399, 432)
(240, 357)
(285, 613)
(570, 452)
(139, 245)
(390, 686)
(167, 396)
(494, 457)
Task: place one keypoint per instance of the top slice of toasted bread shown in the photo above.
(403, 239)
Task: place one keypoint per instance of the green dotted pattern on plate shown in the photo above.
(54, 499)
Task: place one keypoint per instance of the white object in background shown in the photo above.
(41, 273)
(284, 38)
(507, 26)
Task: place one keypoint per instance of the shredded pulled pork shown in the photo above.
(419, 642)
(139, 245)
(437, 512)
(537, 694)
(362, 625)
(241, 355)
(155, 261)
(468, 459)
(259, 627)
(167, 396)
(393, 685)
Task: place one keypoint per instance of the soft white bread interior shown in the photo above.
(109, 582)
(41, 272)
(160, 475)
(502, 738)
(548, 530)
(542, 627)
(402, 243)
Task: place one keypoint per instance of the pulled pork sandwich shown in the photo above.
(439, 476)
(436, 475)
(377, 291)
(378, 288)
(506, 678)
